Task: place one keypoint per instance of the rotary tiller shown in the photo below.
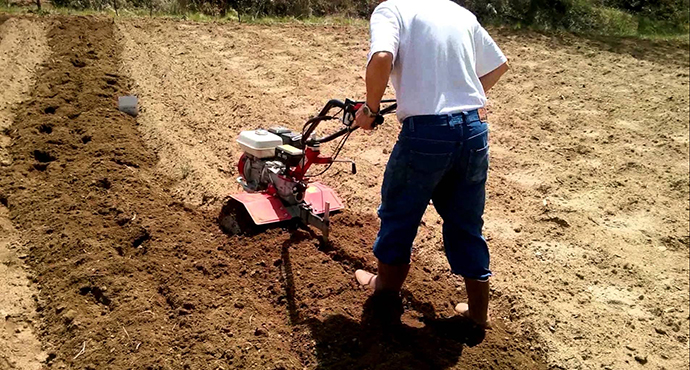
(274, 172)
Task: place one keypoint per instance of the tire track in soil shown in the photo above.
(132, 278)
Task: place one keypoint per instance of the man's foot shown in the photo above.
(366, 278)
(463, 309)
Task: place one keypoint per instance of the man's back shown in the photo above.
(439, 50)
(442, 62)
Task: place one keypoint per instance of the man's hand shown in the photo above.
(362, 120)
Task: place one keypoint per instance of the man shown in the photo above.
(441, 62)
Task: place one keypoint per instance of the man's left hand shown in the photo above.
(363, 121)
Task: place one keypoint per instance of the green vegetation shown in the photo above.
(612, 17)
(646, 18)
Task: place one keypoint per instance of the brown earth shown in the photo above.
(22, 48)
(587, 213)
(131, 276)
(588, 193)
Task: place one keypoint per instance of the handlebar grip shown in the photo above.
(377, 121)
(331, 103)
(388, 109)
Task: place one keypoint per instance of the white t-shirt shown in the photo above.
(439, 52)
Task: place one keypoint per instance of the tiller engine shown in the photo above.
(274, 172)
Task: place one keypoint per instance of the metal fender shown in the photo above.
(263, 208)
(317, 194)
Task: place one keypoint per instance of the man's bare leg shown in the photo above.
(390, 277)
(477, 307)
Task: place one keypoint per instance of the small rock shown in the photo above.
(660, 331)
(183, 312)
(122, 219)
(630, 347)
(69, 316)
(78, 62)
(239, 305)
(641, 359)
(104, 183)
(259, 332)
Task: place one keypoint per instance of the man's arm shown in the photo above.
(490, 79)
(378, 72)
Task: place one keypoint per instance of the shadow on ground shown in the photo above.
(379, 340)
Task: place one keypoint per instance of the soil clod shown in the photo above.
(43, 156)
(141, 235)
(641, 359)
(104, 183)
(45, 129)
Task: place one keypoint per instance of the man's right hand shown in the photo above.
(363, 121)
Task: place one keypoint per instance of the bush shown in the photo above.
(621, 17)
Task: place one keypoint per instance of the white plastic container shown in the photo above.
(128, 104)
(259, 143)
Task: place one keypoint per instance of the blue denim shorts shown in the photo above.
(444, 158)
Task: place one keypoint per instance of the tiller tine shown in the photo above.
(320, 199)
(307, 217)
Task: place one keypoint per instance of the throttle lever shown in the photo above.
(345, 160)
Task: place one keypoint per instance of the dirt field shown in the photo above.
(587, 214)
(22, 48)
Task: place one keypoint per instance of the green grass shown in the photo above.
(601, 21)
(331, 20)
(10, 9)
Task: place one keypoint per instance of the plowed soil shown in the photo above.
(130, 277)
(587, 215)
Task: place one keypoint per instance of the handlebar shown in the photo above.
(349, 108)
(333, 103)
